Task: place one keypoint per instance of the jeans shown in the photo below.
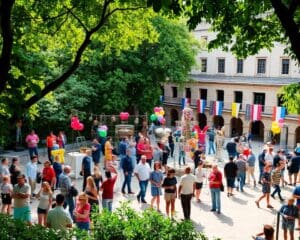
(215, 199)
(241, 176)
(181, 155)
(69, 201)
(186, 205)
(107, 204)
(211, 147)
(277, 190)
(33, 151)
(49, 155)
(172, 146)
(127, 181)
(83, 225)
(143, 189)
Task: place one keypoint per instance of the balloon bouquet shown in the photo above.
(158, 116)
(276, 126)
(102, 131)
(76, 125)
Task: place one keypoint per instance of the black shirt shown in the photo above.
(230, 170)
(169, 182)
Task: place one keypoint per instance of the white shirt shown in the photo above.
(187, 183)
(199, 174)
(143, 171)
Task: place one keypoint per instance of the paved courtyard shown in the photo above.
(239, 219)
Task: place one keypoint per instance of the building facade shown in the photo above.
(220, 76)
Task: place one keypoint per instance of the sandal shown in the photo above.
(257, 204)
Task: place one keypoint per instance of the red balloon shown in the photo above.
(80, 127)
(124, 116)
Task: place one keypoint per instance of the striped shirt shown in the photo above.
(276, 175)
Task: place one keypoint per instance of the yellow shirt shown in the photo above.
(108, 151)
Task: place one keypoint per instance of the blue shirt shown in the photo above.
(97, 153)
(251, 160)
(122, 148)
(127, 164)
(157, 177)
(31, 170)
(297, 192)
(86, 165)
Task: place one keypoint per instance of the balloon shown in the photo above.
(80, 127)
(103, 133)
(153, 117)
(275, 128)
(162, 112)
(73, 126)
(281, 122)
(124, 116)
(157, 114)
(160, 118)
(156, 109)
(163, 121)
(104, 127)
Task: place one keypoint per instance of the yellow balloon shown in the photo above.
(162, 112)
(275, 129)
(275, 124)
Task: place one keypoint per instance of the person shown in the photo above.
(294, 165)
(165, 155)
(148, 151)
(230, 173)
(215, 182)
(140, 146)
(261, 164)
(251, 167)
(6, 193)
(181, 154)
(21, 195)
(32, 140)
(132, 149)
(276, 177)
(31, 172)
(268, 233)
(96, 151)
(65, 186)
(61, 139)
(171, 145)
(82, 212)
(108, 155)
(156, 178)
(107, 188)
(50, 141)
(241, 173)
(199, 174)
(266, 186)
(170, 186)
(4, 169)
(57, 169)
(231, 147)
(123, 145)
(14, 170)
(97, 177)
(142, 172)
(219, 144)
(92, 192)
(58, 218)
(127, 167)
(86, 167)
(211, 141)
(48, 174)
(186, 191)
(197, 156)
(45, 197)
(289, 213)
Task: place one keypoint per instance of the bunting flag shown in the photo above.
(278, 113)
(185, 102)
(201, 105)
(248, 112)
(256, 112)
(235, 108)
(216, 108)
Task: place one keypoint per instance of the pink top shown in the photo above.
(32, 140)
(79, 209)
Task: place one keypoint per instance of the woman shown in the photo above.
(82, 212)
(215, 182)
(199, 174)
(97, 176)
(169, 184)
(156, 178)
(6, 193)
(266, 186)
(48, 174)
(108, 154)
(61, 139)
(57, 168)
(14, 170)
(148, 151)
(91, 192)
(171, 145)
(45, 197)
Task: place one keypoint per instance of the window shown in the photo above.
(221, 65)
(188, 93)
(280, 100)
(285, 65)
(240, 66)
(238, 97)
(203, 93)
(220, 95)
(174, 92)
(204, 39)
(204, 65)
(261, 66)
(259, 98)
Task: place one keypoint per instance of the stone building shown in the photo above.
(220, 76)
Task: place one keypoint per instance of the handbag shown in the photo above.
(222, 187)
(38, 177)
(73, 191)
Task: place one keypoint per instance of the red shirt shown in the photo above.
(86, 207)
(140, 148)
(48, 174)
(215, 177)
(108, 188)
(51, 139)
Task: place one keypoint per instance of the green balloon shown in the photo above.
(103, 133)
(153, 117)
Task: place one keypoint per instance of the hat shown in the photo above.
(21, 176)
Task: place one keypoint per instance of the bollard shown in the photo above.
(277, 226)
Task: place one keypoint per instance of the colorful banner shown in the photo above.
(278, 113)
(248, 112)
(215, 108)
(235, 108)
(185, 102)
(201, 105)
(256, 112)
(211, 108)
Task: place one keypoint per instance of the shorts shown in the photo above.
(288, 225)
(230, 182)
(6, 198)
(266, 188)
(41, 211)
(164, 161)
(199, 185)
(170, 196)
(22, 213)
(155, 191)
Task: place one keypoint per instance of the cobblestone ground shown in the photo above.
(239, 219)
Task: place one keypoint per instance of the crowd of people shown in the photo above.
(147, 161)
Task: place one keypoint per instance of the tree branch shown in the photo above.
(7, 43)
(124, 9)
(79, 20)
(293, 6)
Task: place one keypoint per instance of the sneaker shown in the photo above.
(212, 210)
(123, 192)
(273, 196)
(143, 201)
(131, 193)
(138, 198)
(270, 206)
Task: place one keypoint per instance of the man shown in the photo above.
(127, 170)
(294, 166)
(32, 141)
(261, 164)
(215, 184)
(241, 173)
(58, 218)
(142, 172)
(296, 195)
(31, 172)
(65, 185)
(86, 167)
(123, 145)
(197, 156)
(21, 196)
(251, 167)
(230, 172)
(186, 192)
(96, 152)
(231, 147)
(211, 141)
(107, 188)
(50, 141)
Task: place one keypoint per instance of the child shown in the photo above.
(6, 192)
(199, 173)
(276, 176)
(57, 168)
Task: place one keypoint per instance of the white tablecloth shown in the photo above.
(75, 162)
